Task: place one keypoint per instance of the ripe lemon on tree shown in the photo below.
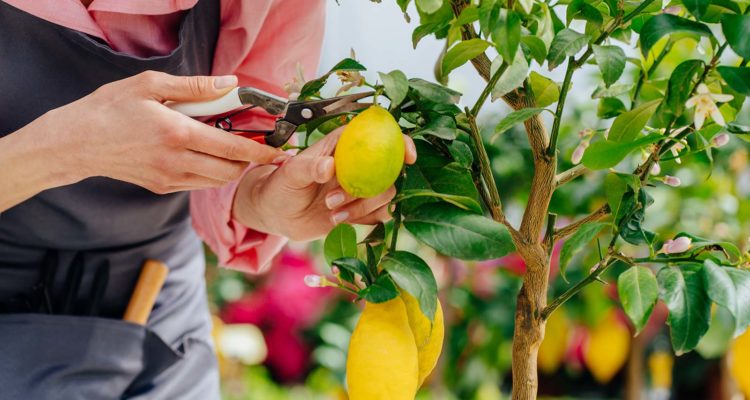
(428, 336)
(608, 348)
(382, 362)
(370, 153)
(555, 343)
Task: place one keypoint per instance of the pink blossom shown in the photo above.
(720, 139)
(672, 181)
(578, 152)
(678, 245)
(655, 169)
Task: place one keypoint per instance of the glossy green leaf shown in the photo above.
(513, 77)
(428, 6)
(678, 91)
(468, 15)
(738, 78)
(638, 293)
(442, 126)
(729, 287)
(737, 31)
(463, 202)
(627, 126)
(729, 249)
(576, 242)
(565, 44)
(610, 107)
(461, 153)
(380, 291)
(312, 87)
(515, 117)
(661, 25)
(606, 153)
(631, 215)
(611, 62)
(536, 47)
(341, 242)
(459, 233)
(546, 91)
(507, 34)
(396, 86)
(697, 7)
(434, 92)
(462, 52)
(684, 292)
(426, 29)
(614, 189)
(350, 267)
(414, 276)
(615, 90)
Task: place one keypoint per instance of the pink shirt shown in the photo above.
(260, 41)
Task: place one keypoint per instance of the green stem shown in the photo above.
(488, 88)
(485, 169)
(396, 227)
(560, 106)
(594, 276)
(643, 74)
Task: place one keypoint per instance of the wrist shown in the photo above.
(248, 205)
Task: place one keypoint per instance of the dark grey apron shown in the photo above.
(44, 66)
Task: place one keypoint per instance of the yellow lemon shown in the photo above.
(555, 343)
(740, 362)
(382, 360)
(608, 348)
(427, 336)
(370, 153)
(660, 365)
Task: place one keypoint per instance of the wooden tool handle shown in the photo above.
(144, 295)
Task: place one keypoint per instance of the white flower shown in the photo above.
(679, 146)
(672, 180)
(315, 281)
(678, 245)
(655, 169)
(294, 87)
(243, 342)
(705, 105)
(720, 139)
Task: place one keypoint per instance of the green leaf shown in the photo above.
(697, 7)
(350, 267)
(442, 126)
(606, 154)
(414, 276)
(610, 107)
(513, 77)
(459, 233)
(396, 86)
(468, 15)
(566, 44)
(614, 189)
(611, 61)
(461, 153)
(546, 92)
(683, 291)
(434, 92)
(380, 291)
(738, 78)
(341, 242)
(515, 117)
(630, 216)
(536, 48)
(463, 202)
(312, 87)
(427, 29)
(731, 251)
(488, 14)
(428, 6)
(629, 125)
(581, 9)
(666, 24)
(462, 52)
(737, 31)
(729, 287)
(678, 91)
(575, 243)
(507, 34)
(638, 293)
(613, 91)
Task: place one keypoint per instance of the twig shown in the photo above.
(488, 88)
(570, 174)
(566, 231)
(643, 74)
(485, 169)
(561, 106)
(593, 276)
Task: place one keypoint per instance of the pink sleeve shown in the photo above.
(261, 42)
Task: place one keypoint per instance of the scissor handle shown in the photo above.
(228, 102)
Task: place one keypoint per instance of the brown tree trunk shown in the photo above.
(634, 387)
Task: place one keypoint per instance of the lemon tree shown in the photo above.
(670, 85)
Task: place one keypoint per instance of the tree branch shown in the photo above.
(566, 231)
(599, 269)
(496, 207)
(567, 176)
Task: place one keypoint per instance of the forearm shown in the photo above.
(29, 166)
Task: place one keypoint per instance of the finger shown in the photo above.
(304, 170)
(212, 167)
(362, 207)
(205, 139)
(187, 183)
(410, 155)
(338, 197)
(162, 86)
(382, 214)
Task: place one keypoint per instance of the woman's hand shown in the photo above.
(124, 131)
(301, 199)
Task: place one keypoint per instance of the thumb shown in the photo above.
(186, 88)
(303, 170)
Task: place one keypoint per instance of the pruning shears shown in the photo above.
(291, 113)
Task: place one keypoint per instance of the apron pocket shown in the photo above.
(72, 357)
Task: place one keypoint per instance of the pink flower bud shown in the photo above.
(314, 281)
(674, 10)
(335, 270)
(578, 152)
(720, 139)
(672, 181)
(679, 245)
(655, 169)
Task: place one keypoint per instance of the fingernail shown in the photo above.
(325, 166)
(280, 159)
(340, 217)
(412, 147)
(226, 81)
(334, 199)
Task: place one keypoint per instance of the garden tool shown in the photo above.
(293, 113)
(152, 277)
